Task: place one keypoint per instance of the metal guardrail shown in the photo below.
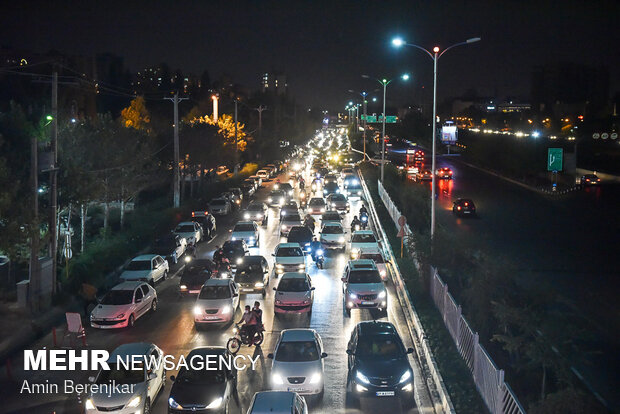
(496, 393)
(436, 387)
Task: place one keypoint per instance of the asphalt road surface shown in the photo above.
(172, 329)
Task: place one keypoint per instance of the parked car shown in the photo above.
(378, 364)
(150, 268)
(301, 235)
(123, 305)
(258, 180)
(338, 202)
(362, 287)
(289, 258)
(288, 221)
(190, 231)
(246, 231)
(463, 207)
(146, 382)
(332, 236)
(194, 275)
(294, 294)
(208, 388)
(257, 212)
(298, 363)
(171, 247)
(363, 240)
(220, 206)
(217, 302)
(277, 402)
(252, 275)
(263, 174)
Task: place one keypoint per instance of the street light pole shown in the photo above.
(365, 123)
(385, 84)
(435, 55)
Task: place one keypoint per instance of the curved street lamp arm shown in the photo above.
(421, 48)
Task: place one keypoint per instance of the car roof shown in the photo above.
(208, 350)
(297, 334)
(288, 245)
(273, 402)
(293, 275)
(374, 327)
(183, 223)
(218, 282)
(144, 257)
(245, 222)
(363, 232)
(130, 285)
(362, 263)
(136, 348)
(252, 259)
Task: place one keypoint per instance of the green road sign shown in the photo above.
(390, 119)
(554, 159)
(369, 118)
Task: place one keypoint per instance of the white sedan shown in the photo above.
(298, 362)
(246, 231)
(190, 231)
(217, 302)
(363, 241)
(147, 267)
(123, 304)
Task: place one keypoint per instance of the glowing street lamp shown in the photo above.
(435, 55)
(215, 107)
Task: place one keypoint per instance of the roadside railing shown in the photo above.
(489, 379)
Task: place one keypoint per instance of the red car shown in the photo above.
(425, 175)
(445, 173)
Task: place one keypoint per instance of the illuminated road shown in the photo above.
(570, 244)
(172, 328)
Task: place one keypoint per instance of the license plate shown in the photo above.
(247, 290)
(194, 291)
(294, 389)
(367, 303)
(385, 393)
(210, 318)
(466, 212)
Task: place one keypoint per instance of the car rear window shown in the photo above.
(289, 252)
(363, 238)
(244, 227)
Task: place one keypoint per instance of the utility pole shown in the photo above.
(176, 183)
(35, 270)
(365, 121)
(385, 84)
(260, 110)
(236, 141)
(54, 181)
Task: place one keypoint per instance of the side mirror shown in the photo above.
(344, 279)
(410, 350)
(235, 295)
(349, 352)
(275, 288)
(270, 356)
(273, 254)
(172, 378)
(312, 288)
(91, 379)
(324, 355)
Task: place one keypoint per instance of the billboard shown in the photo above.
(448, 134)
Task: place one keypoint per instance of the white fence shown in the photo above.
(496, 393)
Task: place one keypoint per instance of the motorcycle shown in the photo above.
(364, 220)
(302, 196)
(319, 258)
(240, 337)
(302, 185)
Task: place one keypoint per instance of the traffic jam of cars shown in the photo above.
(303, 229)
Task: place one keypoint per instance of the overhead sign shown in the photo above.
(448, 134)
(554, 159)
(390, 119)
(369, 118)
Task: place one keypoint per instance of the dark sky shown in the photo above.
(324, 46)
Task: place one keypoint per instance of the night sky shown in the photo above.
(324, 47)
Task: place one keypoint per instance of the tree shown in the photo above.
(136, 115)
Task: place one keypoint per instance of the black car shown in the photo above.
(234, 250)
(248, 190)
(378, 365)
(287, 188)
(203, 390)
(590, 179)
(170, 247)
(330, 188)
(302, 235)
(195, 274)
(464, 207)
(322, 172)
(252, 275)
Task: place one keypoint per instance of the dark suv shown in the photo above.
(378, 365)
(234, 250)
(302, 235)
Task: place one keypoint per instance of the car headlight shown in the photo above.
(239, 261)
(182, 287)
(301, 266)
(282, 200)
(322, 210)
(320, 252)
(283, 213)
(284, 227)
(197, 311)
(279, 265)
(259, 216)
(120, 316)
(135, 401)
(405, 377)
(259, 284)
(215, 403)
(316, 378)
(363, 378)
(173, 404)
(341, 240)
(277, 379)
(269, 199)
(233, 238)
(252, 238)
(89, 404)
(226, 310)
(246, 216)
(382, 295)
(290, 192)
(352, 296)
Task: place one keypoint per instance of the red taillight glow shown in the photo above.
(193, 215)
(466, 204)
(458, 208)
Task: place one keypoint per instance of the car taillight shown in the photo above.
(193, 215)
(458, 208)
(466, 204)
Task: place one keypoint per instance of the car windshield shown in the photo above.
(276, 193)
(289, 252)
(218, 202)
(293, 284)
(286, 186)
(255, 207)
(338, 197)
(139, 265)
(117, 297)
(364, 276)
(297, 351)
(376, 257)
(120, 375)
(292, 217)
(201, 376)
(382, 346)
(244, 227)
(364, 238)
(317, 202)
(187, 228)
(331, 185)
(332, 230)
(299, 233)
(215, 292)
(331, 215)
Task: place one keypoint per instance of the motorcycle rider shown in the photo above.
(355, 222)
(302, 183)
(309, 222)
(218, 255)
(258, 314)
(248, 324)
(223, 266)
(315, 245)
(363, 210)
